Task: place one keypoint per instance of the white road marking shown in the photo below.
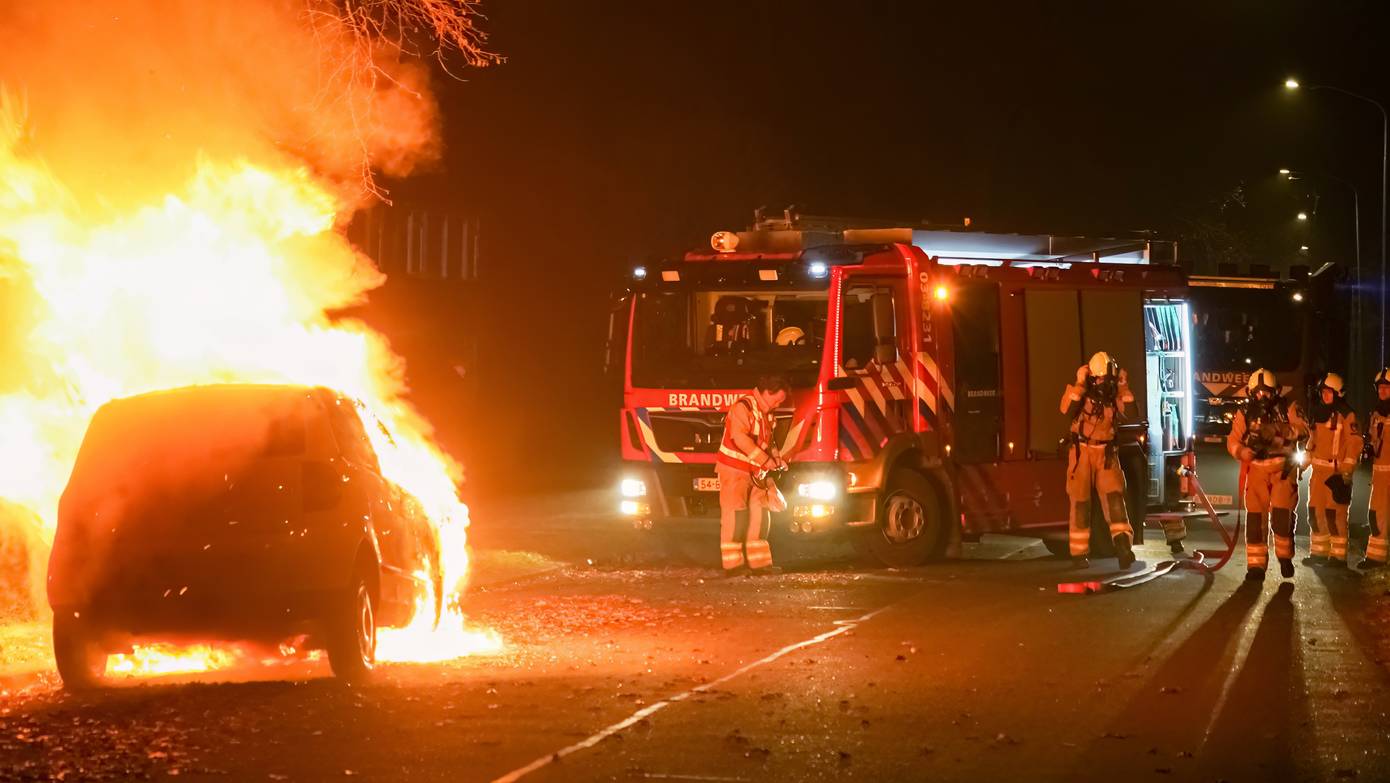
(842, 626)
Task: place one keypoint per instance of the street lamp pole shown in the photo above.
(1356, 276)
(1293, 84)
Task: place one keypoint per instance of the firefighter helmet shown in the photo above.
(1261, 379)
(1334, 382)
(1382, 377)
(1101, 365)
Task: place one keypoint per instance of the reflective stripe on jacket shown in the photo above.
(760, 430)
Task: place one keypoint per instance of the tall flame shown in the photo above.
(229, 278)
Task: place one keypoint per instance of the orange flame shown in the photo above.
(227, 279)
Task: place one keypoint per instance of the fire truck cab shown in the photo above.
(927, 368)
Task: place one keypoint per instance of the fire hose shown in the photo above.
(1206, 561)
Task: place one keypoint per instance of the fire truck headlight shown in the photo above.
(818, 269)
(633, 488)
(640, 273)
(634, 508)
(817, 490)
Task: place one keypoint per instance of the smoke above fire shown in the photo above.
(175, 178)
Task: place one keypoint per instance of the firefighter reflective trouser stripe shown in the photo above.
(1270, 497)
(1327, 518)
(759, 551)
(1086, 470)
(742, 515)
(1378, 545)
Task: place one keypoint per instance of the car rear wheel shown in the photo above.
(909, 529)
(81, 661)
(351, 633)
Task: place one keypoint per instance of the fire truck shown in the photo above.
(927, 368)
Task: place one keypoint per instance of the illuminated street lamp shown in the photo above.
(1303, 216)
(1357, 311)
(1292, 84)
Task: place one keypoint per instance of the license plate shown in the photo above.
(1221, 500)
(707, 484)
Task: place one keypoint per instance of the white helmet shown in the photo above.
(1382, 377)
(1261, 379)
(1102, 365)
(1334, 382)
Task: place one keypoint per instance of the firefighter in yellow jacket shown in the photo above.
(1264, 436)
(746, 454)
(1378, 515)
(1333, 451)
(1096, 405)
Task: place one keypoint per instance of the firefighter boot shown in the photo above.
(1253, 574)
(1080, 562)
(1124, 552)
(1286, 568)
(1176, 548)
(1370, 565)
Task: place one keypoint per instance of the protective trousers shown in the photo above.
(1089, 468)
(1327, 517)
(1174, 530)
(1270, 497)
(742, 520)
(1378, 545)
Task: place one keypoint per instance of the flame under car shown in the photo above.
(236, 513)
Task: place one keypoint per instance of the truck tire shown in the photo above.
(350, 632)
(81, 662)
(909, 528)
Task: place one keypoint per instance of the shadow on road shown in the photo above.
(1261, 713)
(1168, 716)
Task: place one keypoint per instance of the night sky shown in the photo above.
(621, 130)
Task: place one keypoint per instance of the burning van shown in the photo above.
(235, 513)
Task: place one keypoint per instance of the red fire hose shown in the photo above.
(1200, 560)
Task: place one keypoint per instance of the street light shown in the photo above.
(1303, 216)
(1293, 84)
(1356, 308)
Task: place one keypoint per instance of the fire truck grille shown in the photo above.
(699, 432)
(691, 431)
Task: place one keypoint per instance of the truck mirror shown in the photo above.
(885, 332)
(884, 329)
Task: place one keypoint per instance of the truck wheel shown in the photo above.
(909, 529)
(350, 633)
(81, 661)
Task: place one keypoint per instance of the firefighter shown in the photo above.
(1333, 450)
(1378, 512)
(746, 455)
(1264, 436)
(1096, 404)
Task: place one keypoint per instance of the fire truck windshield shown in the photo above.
(1244, 329)
(725, 339)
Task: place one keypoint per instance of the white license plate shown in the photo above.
(707, 484)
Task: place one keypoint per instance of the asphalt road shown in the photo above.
(623, 666)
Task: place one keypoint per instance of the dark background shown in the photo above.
(617, 131)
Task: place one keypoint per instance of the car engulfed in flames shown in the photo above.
(236, 513)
